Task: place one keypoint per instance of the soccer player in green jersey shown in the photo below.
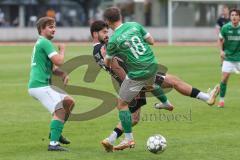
(131, 42)
(99, 32)
(229, 51)
(45, 62)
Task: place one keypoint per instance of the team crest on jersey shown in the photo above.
(230, 31)
(239, 31)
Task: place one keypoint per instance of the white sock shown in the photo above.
(167, 103)
(221, 99)
(129, 136)
(112, 138)
(203, 96)
(53, 143)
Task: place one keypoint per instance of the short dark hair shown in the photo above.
(43, 22)
(112, 14)
(234, 10)
(97, 26)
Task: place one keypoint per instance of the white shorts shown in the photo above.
(231, 67)
(49, 97)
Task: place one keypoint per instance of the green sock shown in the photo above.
(126, 120)
(223, 88)
(56, 128)
(158, 92)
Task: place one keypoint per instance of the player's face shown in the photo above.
(103, 35)
(49, 31)
(225, 11)
(235, 18)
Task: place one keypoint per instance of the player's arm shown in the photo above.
(58, 59)
(108, 61)
(149, 39)
(110, 51)
(117, 69)
(60, 73)
(146, 35)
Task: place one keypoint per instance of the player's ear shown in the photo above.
(95, 34)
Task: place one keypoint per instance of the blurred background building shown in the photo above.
(78, 14)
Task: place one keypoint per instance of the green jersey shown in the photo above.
(41, 65)
(231, 36)
(128, 43)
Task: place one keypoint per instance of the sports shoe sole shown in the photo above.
(119, 148)
(169, 108)
(212, 100)
(107, 146)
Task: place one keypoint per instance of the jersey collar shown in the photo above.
(118, 27)
(237, 26)
(96, 44)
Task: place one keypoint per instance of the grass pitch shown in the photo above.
(193, 130)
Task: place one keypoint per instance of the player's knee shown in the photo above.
(59, 114)
(225, 79)
(122, 105)
(135, 122)
(171, 80)
(68, 104)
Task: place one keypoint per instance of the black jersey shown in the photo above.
(98, 56)
(221, 21)
(100, 61)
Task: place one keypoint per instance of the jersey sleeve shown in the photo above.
(143, 32)
(48, 48)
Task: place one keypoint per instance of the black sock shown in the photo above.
(118, 131)
(194, 92)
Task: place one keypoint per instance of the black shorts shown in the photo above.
(137, 102)
(160, 77)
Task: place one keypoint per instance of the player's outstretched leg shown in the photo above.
(171, 81)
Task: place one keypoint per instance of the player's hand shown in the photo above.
(65, 80)
(222, 55)
(103, 51)
(61, 47)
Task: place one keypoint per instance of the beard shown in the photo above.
(50, 37)
(104, 41)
